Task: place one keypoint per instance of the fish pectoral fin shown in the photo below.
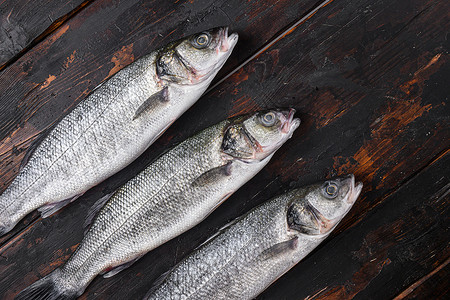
(92, 212)
(51, 208)
(279, 249)
(119, 268)
(213, 175)
(152, 102)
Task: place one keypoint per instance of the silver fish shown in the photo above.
(170, 196)
(115, 124)
(245, 257)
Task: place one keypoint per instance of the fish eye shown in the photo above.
(330, 189)
(201, 41)
(268, 119)
(166, 59)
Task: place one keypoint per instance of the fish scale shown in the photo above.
(61, 161)
(104, 133)
(145, 204)
(253, 251)
(171, 195)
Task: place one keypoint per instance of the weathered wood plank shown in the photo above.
(50, 79)
(434, 285)
(398, 243)
(368, 79)
(24, 23)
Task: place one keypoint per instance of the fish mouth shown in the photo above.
(354, 189)
(289, 124)
(227, 43)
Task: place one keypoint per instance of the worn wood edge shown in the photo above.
(277, 37)
(404, 182)
(53, 27)
(419, 282)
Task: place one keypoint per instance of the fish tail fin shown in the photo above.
(46, 289)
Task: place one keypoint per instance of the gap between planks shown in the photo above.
(419, 282)
(277, 37)
(54, 26)
(405, 181)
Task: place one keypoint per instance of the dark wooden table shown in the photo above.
(369, 79)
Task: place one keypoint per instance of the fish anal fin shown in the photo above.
(279, 249)
(213, 175)
(51, 208)
(157, 99)
(119, 268)
(92, 212)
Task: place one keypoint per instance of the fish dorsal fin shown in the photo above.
(279, 249)
(220, 231)
(213, 175)
(119, 268)
(51, 208)
(152, 102)
(92, 212)
(158, 282)
(40, 137)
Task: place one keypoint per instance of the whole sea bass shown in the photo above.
(245, 257)
(170, 196)
(115, 124)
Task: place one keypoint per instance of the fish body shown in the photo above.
(114, 125)
(174, 193)
(259, 247)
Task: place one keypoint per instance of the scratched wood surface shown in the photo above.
(24, 23)
(369, 80)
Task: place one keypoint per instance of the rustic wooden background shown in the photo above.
(369, 79)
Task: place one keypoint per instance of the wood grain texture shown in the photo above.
(23, 23)
(369, 81)
(434, 285)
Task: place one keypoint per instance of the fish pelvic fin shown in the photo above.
(46, 288)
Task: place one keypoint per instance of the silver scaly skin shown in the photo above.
(173, 194)
(115, 124)
(259, 247)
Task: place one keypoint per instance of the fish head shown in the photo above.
(317, 209)
(254, 137)
(196, 58)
